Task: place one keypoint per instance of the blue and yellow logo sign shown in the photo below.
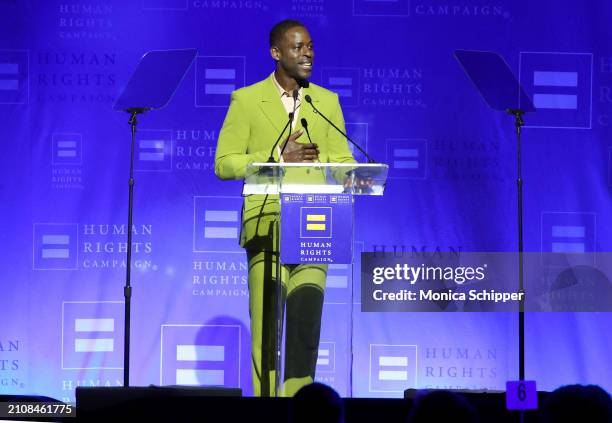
(315, 222)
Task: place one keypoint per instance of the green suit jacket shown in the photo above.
(253, 122)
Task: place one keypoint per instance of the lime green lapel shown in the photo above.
(271, 105)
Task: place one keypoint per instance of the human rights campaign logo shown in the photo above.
(216, 78)
(14, 71)
(198, 355)
(344, 82)
(381, 7)
(393, 368)
(216, 225)
(315, 222)
(566, 232)
(560, 85)
(164, 4)
(55, 246)
(92, 335)
(153, 150)
(66, 149)
(407, 158)
(326, 358)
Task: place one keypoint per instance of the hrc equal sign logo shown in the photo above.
(55, 246)
(557, 80)
(343, 81)
(408, 158)
(86, 328)
(405, 158)
(216, 229)
(151, 150)
(216, 78)
(154, 150)
(392, 368)
(568, 239)
(561, 87)
(221, 224)
(341, 85)
(326, 358)
(200, 354)
(219, 81)
(90, 339)
(66, 148)
(9, 76)
(568, 232)
(14, 76)
(315, 222)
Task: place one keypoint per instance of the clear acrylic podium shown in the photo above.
(311, 178)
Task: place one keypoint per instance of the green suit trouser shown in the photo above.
(303, 287)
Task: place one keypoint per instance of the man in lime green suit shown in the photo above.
(254, 121)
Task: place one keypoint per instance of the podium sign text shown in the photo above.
(316, 228)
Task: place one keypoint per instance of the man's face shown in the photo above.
(295, 53)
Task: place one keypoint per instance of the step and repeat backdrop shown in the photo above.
(451, 188)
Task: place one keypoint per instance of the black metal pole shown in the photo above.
(127, 289)
(518, 124)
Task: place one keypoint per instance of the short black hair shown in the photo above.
(278, 30)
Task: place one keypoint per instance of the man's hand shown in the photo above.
(296, 152)
(358, 184)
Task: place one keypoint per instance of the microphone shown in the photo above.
(305, 126)
(288, 124)
(317, 111)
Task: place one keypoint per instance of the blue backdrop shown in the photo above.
(65, 157)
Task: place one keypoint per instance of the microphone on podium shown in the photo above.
(317, 111)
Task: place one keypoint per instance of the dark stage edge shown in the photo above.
(183, 404)
(180, 404)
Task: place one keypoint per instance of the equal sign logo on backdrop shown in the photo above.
(381, 8)
(87, 331)
(560, 85)
(407, 158)
(14, 74)
(393, 368)
(326, 359)
(216, 224)
(200, 355)
(67, 149)
(344, 82)
(216, 78)
(564, 232)
(195, 355)
(92, 335)
(339, 282)
(55, 246)
(164, 4)
(153, 150)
